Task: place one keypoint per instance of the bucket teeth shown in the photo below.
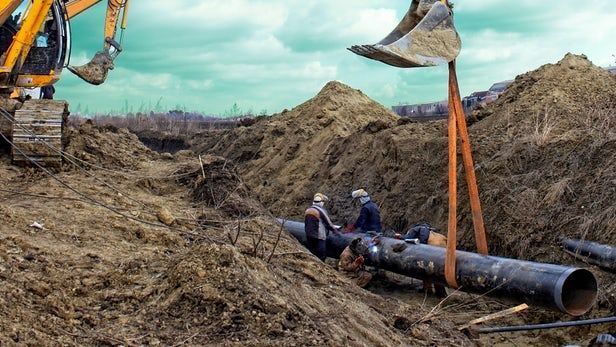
(95, 72)
(426, 36)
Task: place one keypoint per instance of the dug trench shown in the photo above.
(162, 142)
(543, 156)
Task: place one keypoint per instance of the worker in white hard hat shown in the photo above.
(317, 226)
(369, 220)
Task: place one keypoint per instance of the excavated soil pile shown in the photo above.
(288, 157)
(544, 159)
(89, 276)
(229, 296)
(338, 141)
(547, 165)
(222, 188)
(106, 146)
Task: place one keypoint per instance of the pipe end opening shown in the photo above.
(578, 293)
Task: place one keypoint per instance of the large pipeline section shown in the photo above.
(570, 290)
(592, 253)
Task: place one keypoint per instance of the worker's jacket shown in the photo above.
(426, 235)
(317, 223)
(369, 218)
(347, 261)
(419, 231)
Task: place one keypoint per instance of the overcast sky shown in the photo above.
(205, 55)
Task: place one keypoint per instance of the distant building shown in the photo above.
(432, 109)
(500, 87)
(439, 110)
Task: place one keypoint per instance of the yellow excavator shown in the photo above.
(35, 44)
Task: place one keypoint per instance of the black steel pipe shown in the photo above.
(576, 323)
(591, 252)
(570, 290)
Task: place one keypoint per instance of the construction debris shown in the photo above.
(165, 217)
(556, 325)
(494, 316)
(37, 225)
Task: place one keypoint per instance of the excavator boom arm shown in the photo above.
(95, 72)
(76, 7)
(115, 10)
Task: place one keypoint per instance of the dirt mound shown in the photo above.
(234, 298)
(106, 146)
(223, 189)
(285, 155)
(571, 86)
(546, 159)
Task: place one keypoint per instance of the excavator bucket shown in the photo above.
(95, 72)
(426, 36)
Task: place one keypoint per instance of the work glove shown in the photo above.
(376, 240)
(359, 261)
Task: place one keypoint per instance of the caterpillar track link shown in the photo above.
(38, 132)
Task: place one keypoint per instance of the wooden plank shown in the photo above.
(494, 316)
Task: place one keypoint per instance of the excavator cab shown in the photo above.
(426, 36)
(48, 53)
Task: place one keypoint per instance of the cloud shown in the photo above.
(197, 14)
(208, 54)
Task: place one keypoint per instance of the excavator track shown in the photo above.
(38, 130)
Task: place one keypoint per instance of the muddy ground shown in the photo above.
(105, 269)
